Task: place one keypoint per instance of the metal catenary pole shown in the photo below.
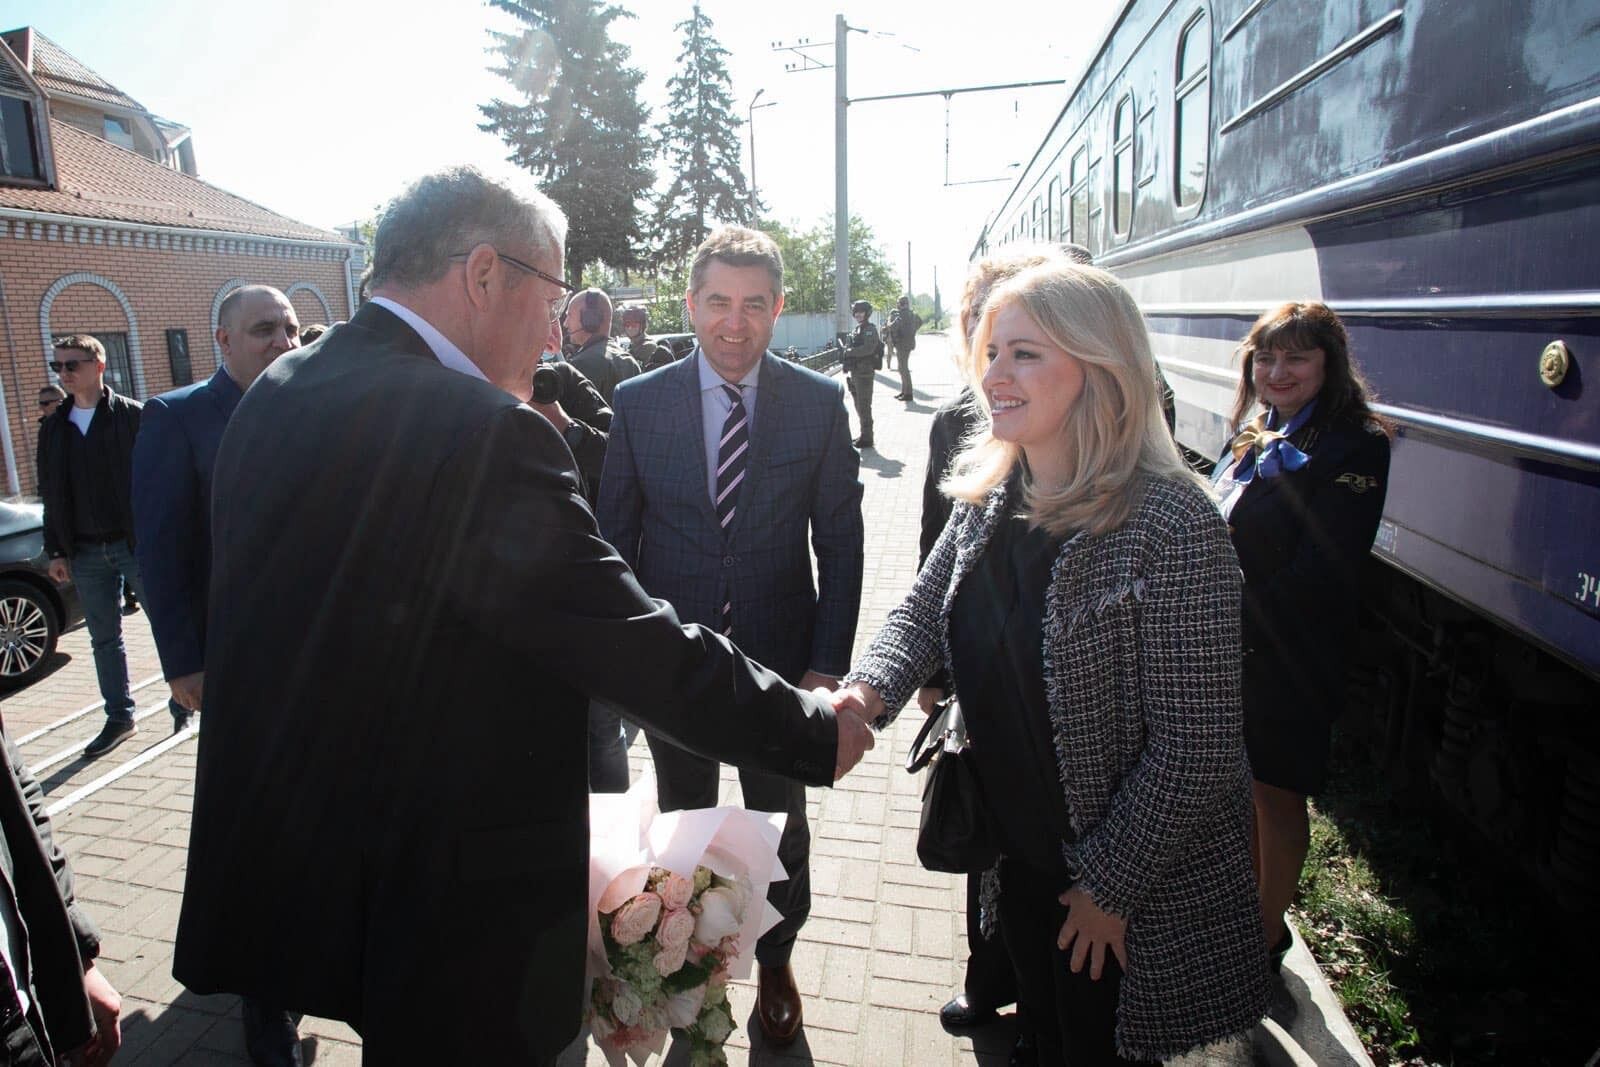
(841, 177)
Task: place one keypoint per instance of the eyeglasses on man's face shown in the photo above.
(69, 365)
(529, 268)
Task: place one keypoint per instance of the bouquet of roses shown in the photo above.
(678, 901)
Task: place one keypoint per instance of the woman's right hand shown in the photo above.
(860, 698)
(1089, 933)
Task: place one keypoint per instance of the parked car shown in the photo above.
(681, 344)
(33, 609)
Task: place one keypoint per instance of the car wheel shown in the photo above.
(28, 633)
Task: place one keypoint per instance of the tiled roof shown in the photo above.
(57, 71)
(98, 180)
(11, 82)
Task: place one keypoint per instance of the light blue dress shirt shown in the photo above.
(714, 408)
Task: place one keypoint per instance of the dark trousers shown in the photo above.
(685, 780)
(861, 389)
(991, 982)
(608, 750)
(1073, 1017)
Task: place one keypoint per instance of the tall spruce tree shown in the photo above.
(578, 126)
(700, 140)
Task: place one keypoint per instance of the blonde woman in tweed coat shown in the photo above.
(1086, 599)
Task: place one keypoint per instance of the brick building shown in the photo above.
(104, 229)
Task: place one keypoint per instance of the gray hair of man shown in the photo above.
(452, 211)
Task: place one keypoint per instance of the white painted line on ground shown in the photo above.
(147, 756)
(77, 747)
(80, 713)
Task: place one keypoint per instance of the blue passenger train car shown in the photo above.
(1431, 170)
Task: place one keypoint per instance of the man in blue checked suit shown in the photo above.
(718, 468)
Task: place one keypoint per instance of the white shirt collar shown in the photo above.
(443, 348)
(710, 379)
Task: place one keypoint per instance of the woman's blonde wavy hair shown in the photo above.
(1115, 432)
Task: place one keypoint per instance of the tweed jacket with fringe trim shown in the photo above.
(1141, 666)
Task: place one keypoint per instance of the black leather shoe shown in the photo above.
(270, 1036)
(961, 1014)
(862, 442)
(778, 1004)
(113, 734)
(1025, 1053)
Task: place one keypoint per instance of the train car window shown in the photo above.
(1052, 210)
(1145, 137)
(1078, 197)
(1096, 207)
(1192, 112)
(1122, 168)
(1037, 212)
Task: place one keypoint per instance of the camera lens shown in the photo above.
(546, 385)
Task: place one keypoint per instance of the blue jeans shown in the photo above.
(99, 572)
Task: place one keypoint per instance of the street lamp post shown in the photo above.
(755, 198)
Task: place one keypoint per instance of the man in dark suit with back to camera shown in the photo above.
(172, 464)
(410, 607)
(591, 349)
(717, 468)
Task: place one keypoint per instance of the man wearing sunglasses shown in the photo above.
(86, 480)
(50, 398)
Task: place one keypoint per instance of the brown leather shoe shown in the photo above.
(778, 1004)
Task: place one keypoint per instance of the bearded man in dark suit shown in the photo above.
(410, 609)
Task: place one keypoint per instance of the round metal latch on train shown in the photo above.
(1553, 363)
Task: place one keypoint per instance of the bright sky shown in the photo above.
(323, 109)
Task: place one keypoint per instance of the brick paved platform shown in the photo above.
(882, 951)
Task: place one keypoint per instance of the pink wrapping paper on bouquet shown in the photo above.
(677, 901)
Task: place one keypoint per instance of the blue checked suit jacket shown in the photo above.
(802, 476)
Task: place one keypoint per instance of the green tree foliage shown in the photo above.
(871, 277)
(700, 140)
(576, 125)
(809, 266)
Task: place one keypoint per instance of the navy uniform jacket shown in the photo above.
(801, 478)
(1303, 539)
(172, 463)
(411, 608)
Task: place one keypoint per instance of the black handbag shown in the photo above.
(953, 835)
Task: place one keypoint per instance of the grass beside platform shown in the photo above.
(1440, 949)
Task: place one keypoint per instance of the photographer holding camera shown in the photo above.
(562, 394)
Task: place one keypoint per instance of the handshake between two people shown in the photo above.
(854, 706)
